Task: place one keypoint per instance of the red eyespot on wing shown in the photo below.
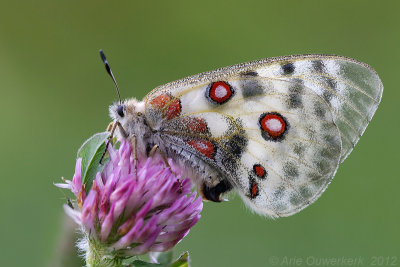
(174, 109)
(197, 125)
(259, 171)
(160, 101)
(253, 189)
(273, 124)
(205, 147)
(220, 92)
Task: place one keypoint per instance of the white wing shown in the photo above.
(322, 104)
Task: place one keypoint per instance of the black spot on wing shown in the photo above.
(250, 73)
(295, 199)
(323, 166)
(295, 95)
(290, 170)
(294, 101)
(318, 66)
(288, 68)
(305, 192)
(232, 147)
(326, 153)
(332, 140)
(251, 88)
(236, 144)
(299, 149)
(232, 151)
(279, 193)
(327, 95)
(319, 110)
(315, 177)
(330, 83)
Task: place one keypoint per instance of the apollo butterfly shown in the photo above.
(275, 130)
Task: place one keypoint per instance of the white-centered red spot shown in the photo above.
(220, 92)
(259, 171)
(273, 124)
(205, 147)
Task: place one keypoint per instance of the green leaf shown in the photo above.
(182, 261)
(91, 152)
(161, 257)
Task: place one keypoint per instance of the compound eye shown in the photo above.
(120, 111)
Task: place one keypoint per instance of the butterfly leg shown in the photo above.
(121, 130)
(133, 142)
(111, 128)
(213, 193)
(155, 149)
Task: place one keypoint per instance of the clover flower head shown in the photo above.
(133, 210)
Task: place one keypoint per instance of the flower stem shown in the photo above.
(97, 256)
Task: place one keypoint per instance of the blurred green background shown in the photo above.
(55, 93)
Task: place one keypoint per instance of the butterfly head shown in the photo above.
(129, 113)
(126, 110)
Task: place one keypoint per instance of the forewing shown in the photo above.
(352, 89)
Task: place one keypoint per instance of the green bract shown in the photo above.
(91, 152)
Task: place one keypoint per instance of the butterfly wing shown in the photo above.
(352, 89)
(275, 128)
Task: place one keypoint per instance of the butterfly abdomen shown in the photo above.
(200, 169)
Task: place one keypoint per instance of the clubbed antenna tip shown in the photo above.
(108, 68)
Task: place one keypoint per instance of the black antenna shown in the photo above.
(103, 57)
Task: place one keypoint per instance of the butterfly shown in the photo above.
(275, 130)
